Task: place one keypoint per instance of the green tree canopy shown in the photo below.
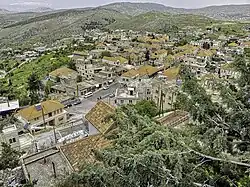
(106, 53)
(9, 157)
(213, 150)
(146, 108)
(33, 83)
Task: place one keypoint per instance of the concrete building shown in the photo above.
(197, 65)
(165, 88)
(88, 68)
(47, 113)
(7, 108)
(46, 168)
(10, 136)
(135, 91)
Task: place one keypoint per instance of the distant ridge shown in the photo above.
(41, 9)
(51, 25)
(4, 11)
(231, 12)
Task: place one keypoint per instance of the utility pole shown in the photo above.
(77, 90)
(44, 123)
(54, 130)
(54, 169)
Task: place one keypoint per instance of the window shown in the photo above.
(50, 114)
(122, 101)
(61, 110)
(130, 101)
(10, 140)
(36, 119)
(14, 140)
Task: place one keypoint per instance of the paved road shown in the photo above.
(82, 109)
(103, 93)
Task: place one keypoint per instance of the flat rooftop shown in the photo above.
(10, 128)
(12, 105)
(39, 166)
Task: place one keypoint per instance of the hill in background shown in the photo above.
(233, 12)
(33, 27)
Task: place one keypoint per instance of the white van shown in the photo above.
(89, 94)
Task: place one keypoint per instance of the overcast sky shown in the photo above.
(87, 3)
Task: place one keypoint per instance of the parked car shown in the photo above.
(106, 87)
(89, 94)
(77, 102)
(112, 95)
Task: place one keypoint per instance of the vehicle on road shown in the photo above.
(77, 102)
(89, 94)
(106, 87)
(112, 95)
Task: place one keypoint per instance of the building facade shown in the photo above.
(47, 113)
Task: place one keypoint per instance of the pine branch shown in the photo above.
(217, 159)
(202, 185)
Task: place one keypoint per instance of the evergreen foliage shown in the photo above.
(213, 150)
(9, 157)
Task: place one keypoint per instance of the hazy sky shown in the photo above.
(86, 3)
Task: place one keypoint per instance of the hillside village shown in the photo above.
(55, 114)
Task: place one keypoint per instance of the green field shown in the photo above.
(41, 66)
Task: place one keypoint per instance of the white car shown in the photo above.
(89, 94)
(105, 87)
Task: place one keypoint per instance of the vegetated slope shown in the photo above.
(232, 12)
(11, 18)
(135, 8)
(50, 27)
(162, 22)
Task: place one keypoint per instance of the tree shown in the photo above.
(213, 150)
(72, 65)
(9, 158)
(48, 86)
(33, 83)
(147, 55)
(58, 79)
(79, 78)
(146, 108)
(206, 45)
(181, 43)
(106, 53)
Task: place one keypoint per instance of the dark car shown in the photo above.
(77, 102)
